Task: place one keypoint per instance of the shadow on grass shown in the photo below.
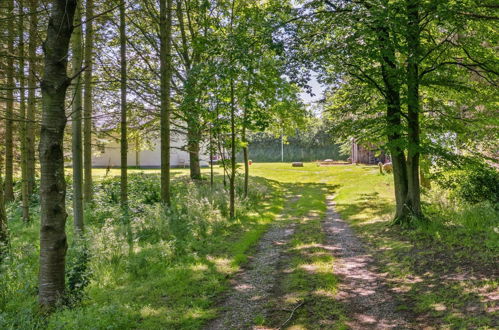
(440, 286)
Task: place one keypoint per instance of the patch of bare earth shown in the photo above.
(253, 286)
(363, 290)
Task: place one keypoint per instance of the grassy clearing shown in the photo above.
(155, 269)
(444, 271)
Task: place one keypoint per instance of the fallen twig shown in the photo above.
(292, 313)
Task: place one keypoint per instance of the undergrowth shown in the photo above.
(152, 267)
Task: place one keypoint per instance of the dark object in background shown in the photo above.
(297, 164)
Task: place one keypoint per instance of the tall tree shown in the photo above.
(76, 138)
(165, 76)
(9, 113)
(22, 116)
(87, 102)
(54, 84)
(123, 106)
(31, 111)
(413, 30)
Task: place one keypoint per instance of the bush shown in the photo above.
(475, 183)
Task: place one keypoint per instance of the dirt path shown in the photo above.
(253, 286)
(362, 289)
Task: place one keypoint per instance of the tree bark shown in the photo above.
(245, 157)
(22, 117)
(193, 138)
(53, 243)
(9, 111)
(166, 76)
(232, 178)
(87, 103)
(394, 130)
(31, 110)
(123, 82)
(4, 238)
(413, 201)
(77, 149)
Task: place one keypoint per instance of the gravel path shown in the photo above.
(252, 288)
(367, 300)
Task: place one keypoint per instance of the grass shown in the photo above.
(443, 271)
(158, 269)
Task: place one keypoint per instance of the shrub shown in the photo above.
(475, 183)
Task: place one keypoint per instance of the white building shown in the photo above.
(109, 154)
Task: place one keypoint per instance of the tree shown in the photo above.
(9, 113)
(87, 102)
(22, 116)
(165, 76)
(54, 84)
(123, 106)
(31, 110)
(76, 138)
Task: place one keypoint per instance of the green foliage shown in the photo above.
(475, 183)
(151, 268)
(77, 271)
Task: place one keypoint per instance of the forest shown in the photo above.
(249, 164)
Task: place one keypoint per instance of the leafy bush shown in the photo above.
(475, 183)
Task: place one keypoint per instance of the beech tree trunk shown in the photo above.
(31, 110)
(9, 111)
(22, 117)
(166, 76)
(53, 243)
(394, 130)
(87, 103)
(123, 82)
(77, 149)
(413, 201)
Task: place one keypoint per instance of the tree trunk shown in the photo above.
(53, 243)
(211, 157)
(193, 137)
(245, 158)
(22, 117)
(87, 103)
(76, 126)
(123, 82)
(166, 76)
(9, 112)
(4, 238)
(394, 130)
(232, 178)
(413, 201)
(31, 111)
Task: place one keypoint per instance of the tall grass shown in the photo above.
(151, 267)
